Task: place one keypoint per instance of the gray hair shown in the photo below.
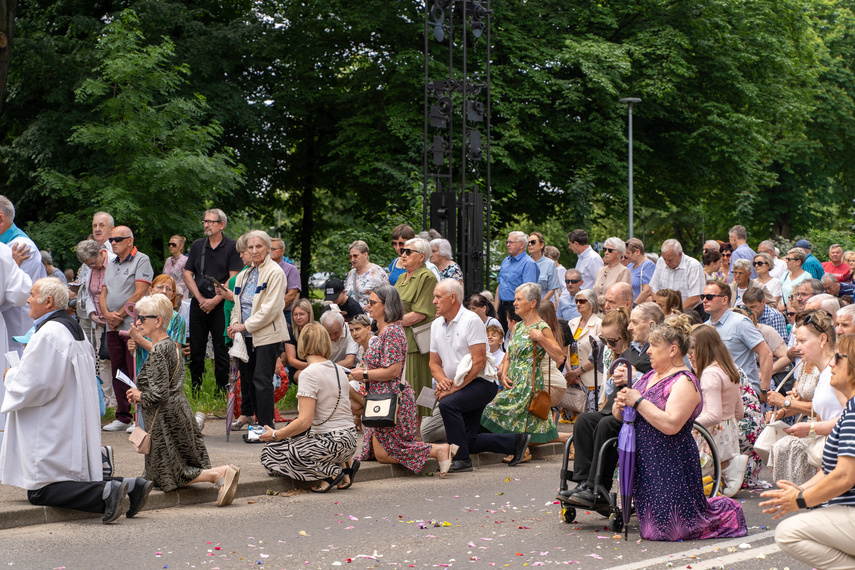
(743, 264)
(7, 208)
(157, 305)
(816, 286)
(276, 240)
(828, 278)
(738, 232)
(847, 311)
(452, 287)
(518, 236)
(530, 292)
(832, 246)
(53, 288)
(671, 245)
(712, 245)
(767, 244)
(105, 214)
(221, 215)
(650, 311)
(419, 245)
(258, 234)
(240, 244)
(87, 249)
(798, 253)
(360, 246)
(47, 258)
(443, 247)
(824, 301)
(590, 296)
(551, 252)
(391, 299)
(330, 318)
(574, 271)
(429, 235)
(616, 243)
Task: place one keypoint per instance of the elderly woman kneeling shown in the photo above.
(669, 495)
(320, 443)
(178, 456)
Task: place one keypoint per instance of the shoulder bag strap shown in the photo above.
(338, 381)
(534, 367)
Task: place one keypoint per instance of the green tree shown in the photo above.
(153, 149)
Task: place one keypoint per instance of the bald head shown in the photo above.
(122, 239)
(618, 295)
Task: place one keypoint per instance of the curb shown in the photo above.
(21, 515)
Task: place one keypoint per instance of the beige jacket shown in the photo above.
(267, 320)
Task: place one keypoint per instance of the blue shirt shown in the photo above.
(774, 319)
(846, 289)
(548, 278)
(742, 252)
(740, 336)
(641, 275)
(841, 442)
(567, 307)
(812, 266)
(514, 272)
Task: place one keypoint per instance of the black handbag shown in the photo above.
(103, 351)
(381, 410)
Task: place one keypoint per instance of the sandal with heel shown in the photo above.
(330, 483)
(350, 472)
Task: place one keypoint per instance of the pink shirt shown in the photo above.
(96, 282)
(722, 398)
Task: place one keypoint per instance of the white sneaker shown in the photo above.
(131, 427)
(200, 420)
(115, 425)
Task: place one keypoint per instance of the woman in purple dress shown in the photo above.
(668, 494)
(384, 363)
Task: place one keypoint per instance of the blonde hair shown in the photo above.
(158, 306)
(304, 305)
(314, 341)
(676, 330)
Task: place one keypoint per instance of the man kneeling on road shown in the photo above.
(458, 334)
(52, 444)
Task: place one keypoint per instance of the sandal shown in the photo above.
(350, 472)
(238, 424)
(526, 457)
(330, 483)
(445, 464)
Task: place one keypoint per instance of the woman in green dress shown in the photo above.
(416, 289)
(508, 412)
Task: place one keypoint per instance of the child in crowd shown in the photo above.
(495, 336)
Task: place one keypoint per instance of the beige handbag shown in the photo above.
(422, 335)
(555, 381)
(140, 438)
(816, 444)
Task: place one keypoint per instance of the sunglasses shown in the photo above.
(533, 242)
(790, 259)
(609, 249)
(173, 244)
(361, 320)
(710, 297)
(789, 314)
(759, 263)
(838, 356)
(809, 320)
(725, 255)
(405, 251)
(573, 281)
(581, 301)
(142, 318)
(612, 342)
(119, 239)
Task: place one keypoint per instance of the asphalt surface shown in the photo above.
(494, 516)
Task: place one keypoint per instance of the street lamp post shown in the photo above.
(629, 101)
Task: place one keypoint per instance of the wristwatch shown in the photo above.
(787, 402)
(800, 502)
(637, 402)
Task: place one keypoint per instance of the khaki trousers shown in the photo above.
(822, 537)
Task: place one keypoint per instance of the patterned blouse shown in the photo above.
(360, 287)
(175, 269)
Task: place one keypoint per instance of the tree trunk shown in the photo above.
(308, 225)
(8, 9)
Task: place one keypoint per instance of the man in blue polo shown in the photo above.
(517, 268)
(811, 263)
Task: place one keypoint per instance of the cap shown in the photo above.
(24, 339)
(332, 289)
(803, 243)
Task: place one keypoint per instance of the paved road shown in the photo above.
(496, 516)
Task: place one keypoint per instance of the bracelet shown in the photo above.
(637, 402)
(274, 436)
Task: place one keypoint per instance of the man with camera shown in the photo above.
(212, 259)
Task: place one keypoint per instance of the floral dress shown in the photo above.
(750, 427)
(359, 287)
(788, 456)
(453, 271)
(508, 412)
(399, 441)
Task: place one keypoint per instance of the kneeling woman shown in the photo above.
(320, 443)
(669, 495)
(178, 456)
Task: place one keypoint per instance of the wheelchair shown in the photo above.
(613, 511)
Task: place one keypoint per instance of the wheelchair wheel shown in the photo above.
(616, 522)
(568, 513)
(716, 460)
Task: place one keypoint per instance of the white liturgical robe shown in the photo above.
(17, 316)
(14, 291)
(53, 422)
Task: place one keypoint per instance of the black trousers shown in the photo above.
(591, 431)
(461, 413)
(202, 323)
(505, 308)
(86, 496)
(256, 381)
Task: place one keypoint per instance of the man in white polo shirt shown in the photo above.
(455, 334)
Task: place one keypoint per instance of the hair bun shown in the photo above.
(680, 322)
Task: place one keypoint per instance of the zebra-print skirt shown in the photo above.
(310, 457)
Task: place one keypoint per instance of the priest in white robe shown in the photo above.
(14, 290)
(17, 318)
(52, 446)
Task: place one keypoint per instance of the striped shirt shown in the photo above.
(841, 442)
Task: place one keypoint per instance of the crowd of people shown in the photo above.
(735, 342)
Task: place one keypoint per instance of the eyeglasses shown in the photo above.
(119, 239)
(275, 248)
(164, 288)
(173, 244)
(710, 297)
(405, 251)
(401, 242)
(142, 318)
(573, 281)
(372, 302)
(609, 249)
(581, 301)
(612, 342)
(789, 314)
(759, 263)
(209, 222)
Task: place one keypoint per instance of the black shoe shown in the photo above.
(113, 502)
(139, 496)
(565, 494)
(460, 466)
(585, 498)
(523, 439)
